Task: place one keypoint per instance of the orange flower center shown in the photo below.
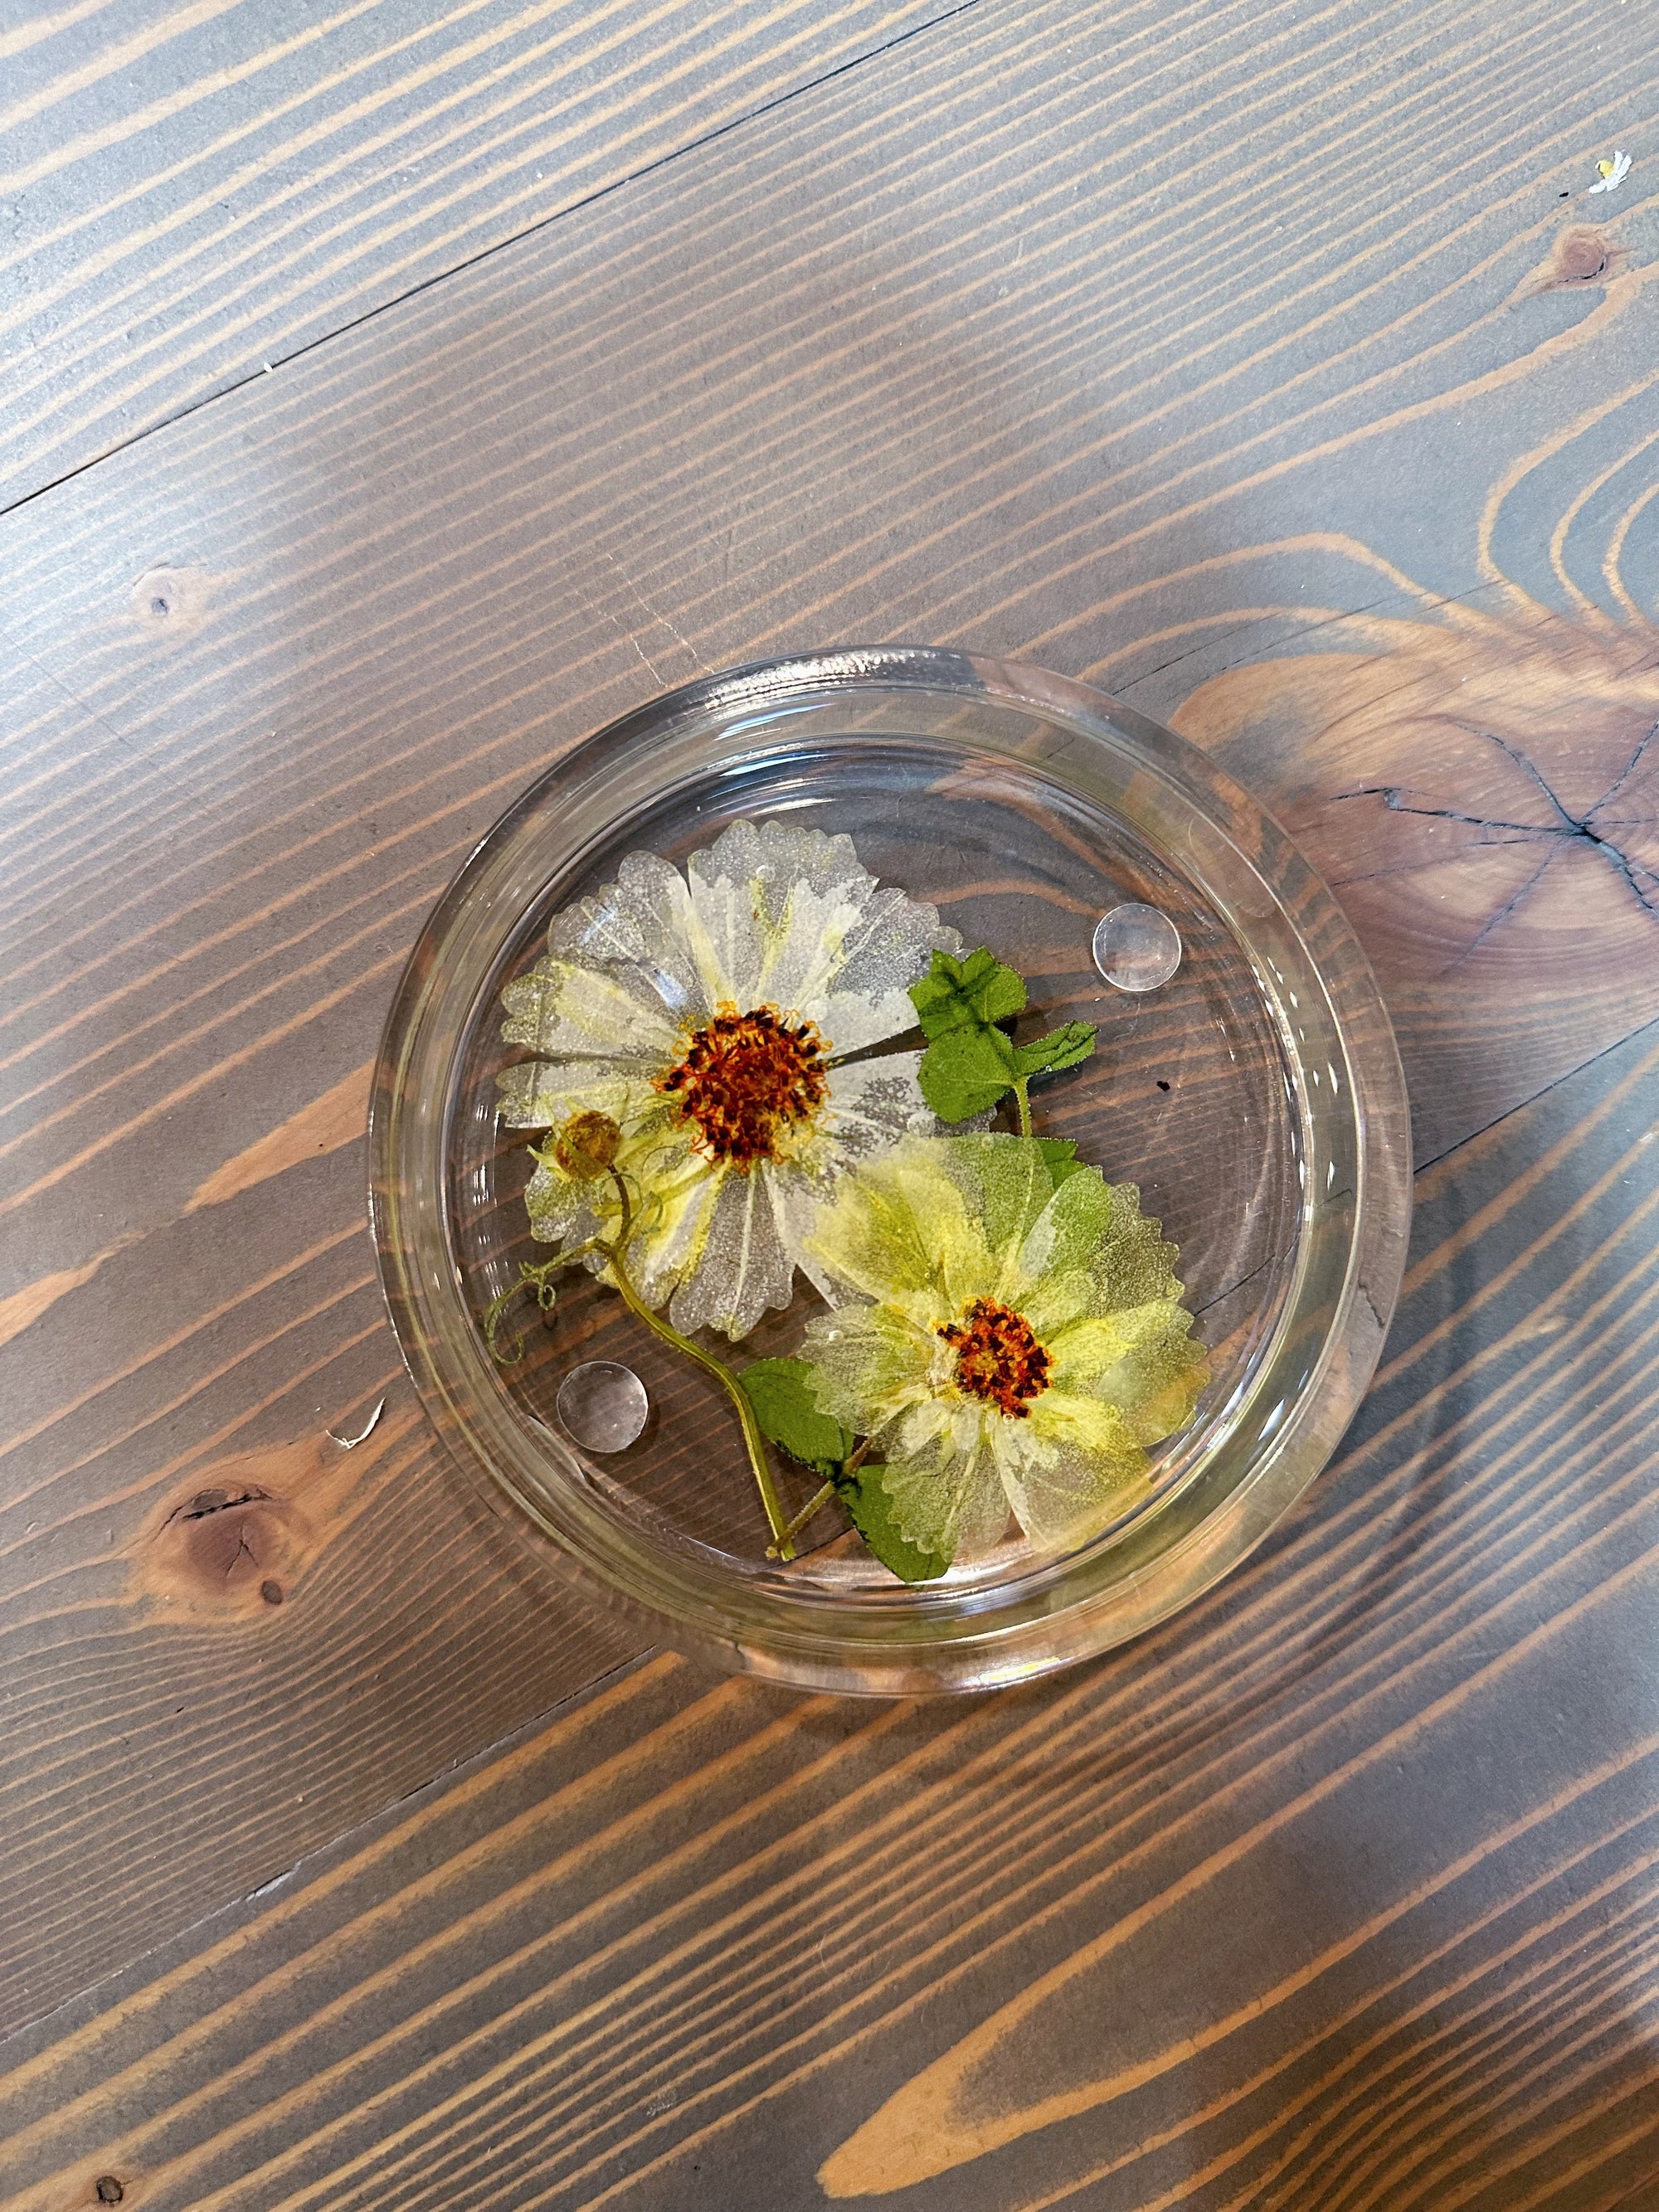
(747, 1079)
(998, 1357)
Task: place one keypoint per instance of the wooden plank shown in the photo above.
(1134, 338)
(200, 189)
(1337, 1891)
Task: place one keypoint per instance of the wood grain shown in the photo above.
(1335, 1893)
(1482, 793)
(339, 1117)
(1148, 342)
(200, 189)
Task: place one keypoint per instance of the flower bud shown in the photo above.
(587, 1145)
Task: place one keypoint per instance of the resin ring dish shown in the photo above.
(1254, 1096)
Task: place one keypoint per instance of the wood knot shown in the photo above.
(237, 1543)
(229, 1538)
(1582, 254)
(109, 2190)
(229, 1545)
(1485, 802)
(171, 605)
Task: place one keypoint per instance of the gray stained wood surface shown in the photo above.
(1268, 364)
(197, 193)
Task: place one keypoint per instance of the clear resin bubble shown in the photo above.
(603, 1406)
(1136, 947)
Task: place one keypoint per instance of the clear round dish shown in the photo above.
(1255, 1098)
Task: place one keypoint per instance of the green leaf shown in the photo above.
(780, 1392)
(971, 993)
(965, 1072)
(1062, 1048)
(970, 1062)
(867, 1502)
(1059, 1156)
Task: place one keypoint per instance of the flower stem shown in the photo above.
(1023, 1103)
(812, 1508)
(816, 1503)
(782, 1533)
(539, 1282)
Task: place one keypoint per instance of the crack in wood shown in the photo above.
(1495, 920)
(1629, 770)
(207, 1502)
(1569, 826)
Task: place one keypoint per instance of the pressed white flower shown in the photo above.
(1006, 1345)
(710, 1016)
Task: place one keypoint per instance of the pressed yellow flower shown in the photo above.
(1007, 1345)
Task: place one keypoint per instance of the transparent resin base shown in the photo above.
(1251, 1090)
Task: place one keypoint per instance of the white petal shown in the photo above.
(728, 920)
(872, 1104)
(868, 1109)
(535, 1095)
(803, 952)
(796, 1193)
(606, 927)
(774, 856)
(890, 948)
(644, 921)
(683, 1193)
(743, 1268)
(795, 916)
(847, 1021)
(560, 1210)
(562, 1009)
